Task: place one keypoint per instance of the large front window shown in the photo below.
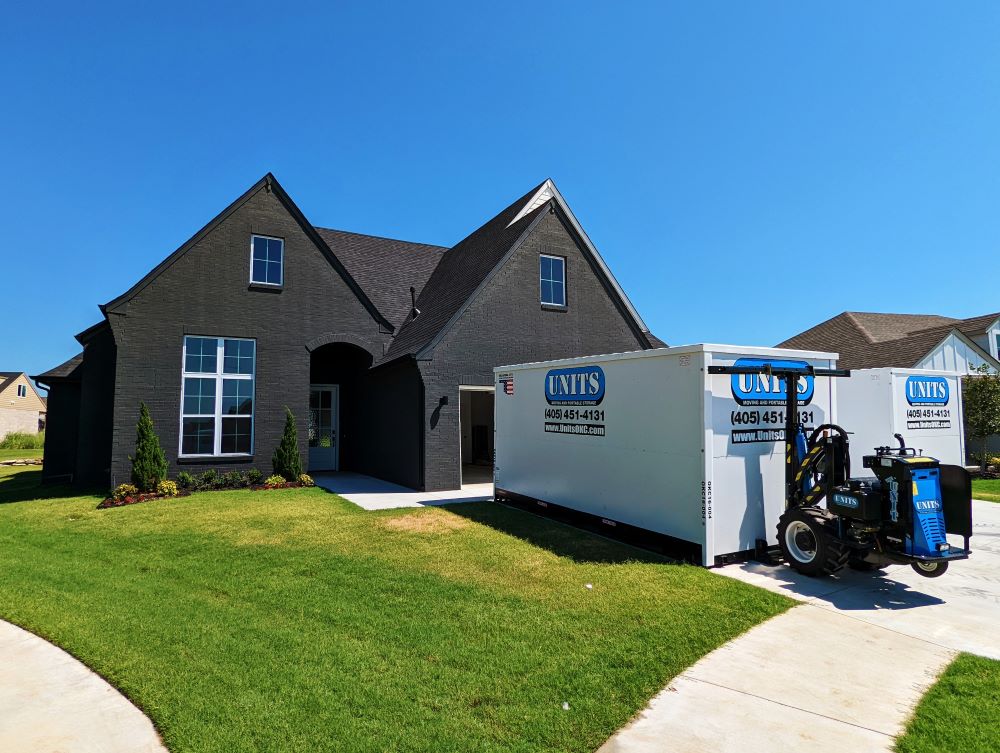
(217, 399)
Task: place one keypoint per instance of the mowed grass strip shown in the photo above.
(291, 620)
(14, 454)
(961, 712)
(987, 489)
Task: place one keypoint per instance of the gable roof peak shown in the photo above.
(545, 192)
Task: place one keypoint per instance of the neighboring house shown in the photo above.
(21, 407)
(921, 341)
(374, 344)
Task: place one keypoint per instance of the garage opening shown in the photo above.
(476, 414)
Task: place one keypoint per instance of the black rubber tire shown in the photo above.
(940, 569)
(830, 554)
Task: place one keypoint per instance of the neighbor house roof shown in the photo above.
(6, 377)
(870, 340)
(385, 268)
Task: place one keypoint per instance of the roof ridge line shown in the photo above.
(381, 237)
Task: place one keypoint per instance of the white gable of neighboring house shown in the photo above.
(954, 353)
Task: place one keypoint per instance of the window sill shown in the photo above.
(213, 459)
(264, 287)
(553, 307)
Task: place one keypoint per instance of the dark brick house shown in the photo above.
(382, 349)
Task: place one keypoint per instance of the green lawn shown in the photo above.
(18, 454)
(960, 713)
(987, 489)
(291, 620)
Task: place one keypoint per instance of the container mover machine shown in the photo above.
(715, 453)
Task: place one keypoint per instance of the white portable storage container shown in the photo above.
(924, 406)
(648, 445)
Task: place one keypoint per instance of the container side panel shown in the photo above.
(625, 446)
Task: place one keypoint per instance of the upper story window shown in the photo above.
(266, 260)
(217, 408)
(552, 278)
(22, 390)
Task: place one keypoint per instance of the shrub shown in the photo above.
(167, 488)
(22, 440)
(306, 480)
(149, 466)
(186, 481)
(209, 479)
(254, 477)
(286, 461)
(232, 480)
(274, 480)
(122, 491)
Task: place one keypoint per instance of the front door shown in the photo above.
(324, 407)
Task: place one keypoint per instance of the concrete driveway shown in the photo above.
(842, 671)
(960, 610)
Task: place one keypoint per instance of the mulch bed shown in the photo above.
(135, 499)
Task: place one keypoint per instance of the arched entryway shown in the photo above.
(337, 377)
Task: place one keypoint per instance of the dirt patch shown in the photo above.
(426, 521)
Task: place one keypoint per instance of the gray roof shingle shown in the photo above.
(868, 340)
(460, 271)
(385, 268)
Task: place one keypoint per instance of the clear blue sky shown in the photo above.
(747, 169)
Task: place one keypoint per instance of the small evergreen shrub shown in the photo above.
(186, 481)
(306, 480)
(275, 480)
(122, 491)
(167, 488)
(209, 479)
(149, 465)
(285, 460)
(232, 480)
(255, 477)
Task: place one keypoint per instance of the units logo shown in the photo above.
(845, 500)
(761, 389)
(579, 385)
(927, 390)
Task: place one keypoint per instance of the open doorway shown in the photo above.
(476, 414)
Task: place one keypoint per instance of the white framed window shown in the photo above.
(217, 396)
(552, 280)
(267, 260)
(22, 390)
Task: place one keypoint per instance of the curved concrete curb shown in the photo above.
(51, 703)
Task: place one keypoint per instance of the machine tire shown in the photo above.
(930, 569)
(808, 543)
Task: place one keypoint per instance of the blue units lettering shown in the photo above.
(579, 385)
(927, 390)
(761, 389)
(845, 501)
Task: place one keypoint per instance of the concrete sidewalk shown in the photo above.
(51, 703)
(807, 680)
(841, 672)
(375, 494)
